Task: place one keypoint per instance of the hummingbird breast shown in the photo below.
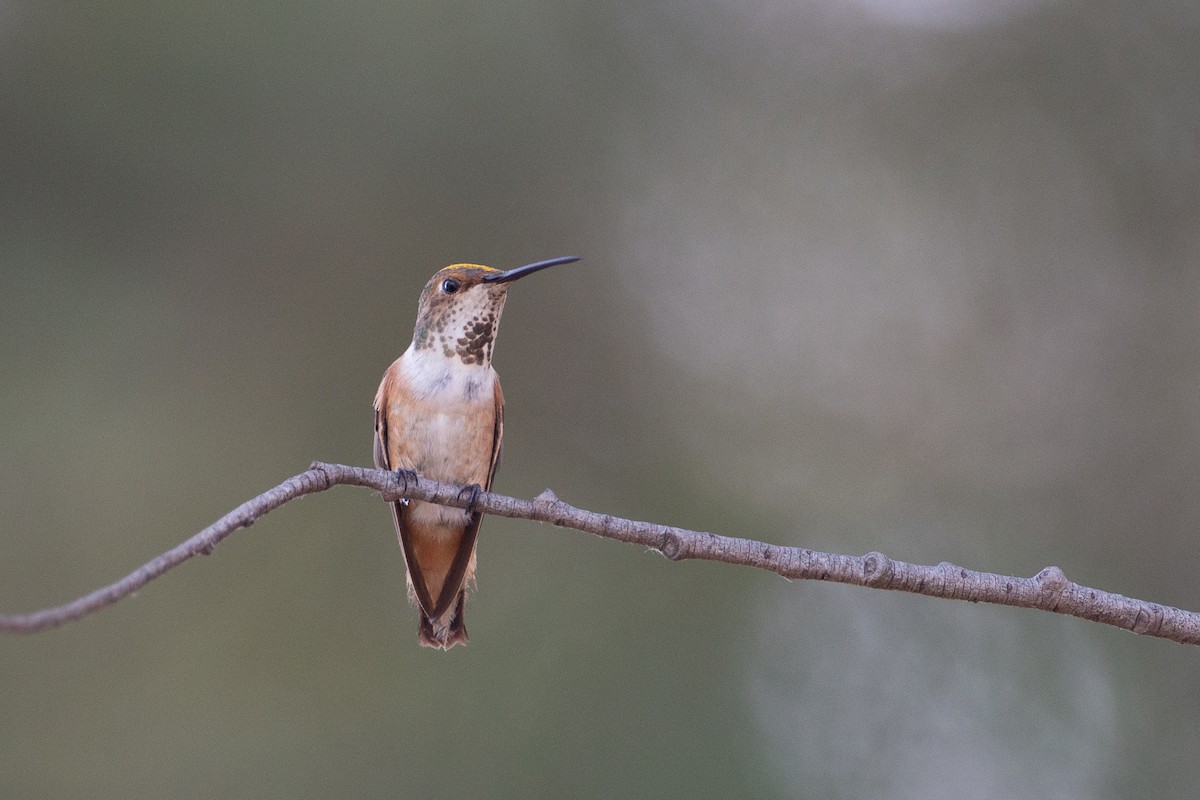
(441, 417)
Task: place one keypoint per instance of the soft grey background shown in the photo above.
(912, 276)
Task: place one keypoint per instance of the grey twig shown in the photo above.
(1049, 590)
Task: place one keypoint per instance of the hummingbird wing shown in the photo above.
(453, 583)
(381, 456)
(382, 461)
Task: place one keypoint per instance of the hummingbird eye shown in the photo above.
(450, 286)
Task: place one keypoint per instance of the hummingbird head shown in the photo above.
(460, 309)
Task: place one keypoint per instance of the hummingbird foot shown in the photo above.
(407, 478)
(472, 492)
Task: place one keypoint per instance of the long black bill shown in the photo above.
(521, 272)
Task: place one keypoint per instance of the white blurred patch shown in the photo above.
(863, 696)
(976, 323)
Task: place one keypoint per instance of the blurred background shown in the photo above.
(917, 276)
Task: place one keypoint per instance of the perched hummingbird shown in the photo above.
(439, 412)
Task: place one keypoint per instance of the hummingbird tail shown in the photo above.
(449, 630)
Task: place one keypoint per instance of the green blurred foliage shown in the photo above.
(919, 277)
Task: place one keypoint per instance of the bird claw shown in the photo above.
(473, 490)
(406, 478)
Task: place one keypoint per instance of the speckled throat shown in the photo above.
(462, 326)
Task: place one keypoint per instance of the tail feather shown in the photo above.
(447, 631)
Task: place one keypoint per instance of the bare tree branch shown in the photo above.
(1049, 590)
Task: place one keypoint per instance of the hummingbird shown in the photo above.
(439, 412)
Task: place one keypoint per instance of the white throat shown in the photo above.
(432, 375)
